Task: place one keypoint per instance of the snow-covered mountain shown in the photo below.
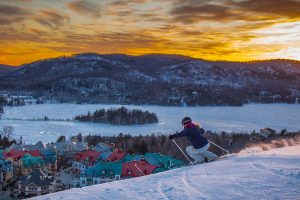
(157, 79)
(273, 174)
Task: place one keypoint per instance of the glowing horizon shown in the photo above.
(230, 30)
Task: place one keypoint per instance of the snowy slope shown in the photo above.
(274, 174)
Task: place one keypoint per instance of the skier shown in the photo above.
(198, 150)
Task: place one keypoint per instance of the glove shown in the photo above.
(171, 137)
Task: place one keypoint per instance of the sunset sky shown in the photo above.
(235, 30)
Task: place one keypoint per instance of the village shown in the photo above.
(32, 170)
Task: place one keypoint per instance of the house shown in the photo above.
(162, 162)
(29, 147)
(116, 156)
(15, 155)
(6, 172)
(66, 150)
(102, 172)
(28, 163)
(84, 159)
(137, 168)
(35, 184)
(49, 157)
(102, 147)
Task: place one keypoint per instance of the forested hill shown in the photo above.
(157, 79)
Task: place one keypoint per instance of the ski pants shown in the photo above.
(199, 155)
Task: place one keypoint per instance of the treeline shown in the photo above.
(156, 143)
(6, 139)
(120, 116)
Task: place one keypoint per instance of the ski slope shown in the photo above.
(273, 174)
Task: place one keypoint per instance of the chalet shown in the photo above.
(102, 172)
(102, 147)
(84, 159)
(137, 168)
(6, 172)
(66, 150)
(116, 156)
(35, 184)
(29, 147)
(162, 162)
(49, 157)
(28, 163)
(15, 155)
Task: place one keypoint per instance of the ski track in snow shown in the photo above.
(273, 175)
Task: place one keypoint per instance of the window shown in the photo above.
(32, 188)
(83, 182)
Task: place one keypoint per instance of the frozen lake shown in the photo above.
(216, 118)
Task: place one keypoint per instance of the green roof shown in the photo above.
(163, 162)
(129, 158)
(105, 169)
(31, 161)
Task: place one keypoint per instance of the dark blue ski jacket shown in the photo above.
(194, 135)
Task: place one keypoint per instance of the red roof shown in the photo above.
(17, 154)
(89, 155)
(137, 168)
(116, 156)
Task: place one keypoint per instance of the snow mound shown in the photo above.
(273, 174)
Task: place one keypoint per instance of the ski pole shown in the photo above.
(182, 151)
(218, 146)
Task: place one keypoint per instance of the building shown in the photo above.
(102, 172)
(116, 156)
(29, 147)
(35, 184)
(28, 163)
(49, 157)
(102, 147)
(137, 168)
(162, 162)
(6, 172)
(85, 159)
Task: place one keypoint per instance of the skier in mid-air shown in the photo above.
(199, 148)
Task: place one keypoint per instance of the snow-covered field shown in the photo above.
(273, 174)
(216, 118)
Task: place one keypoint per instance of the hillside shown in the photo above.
(6, 69)
(157, 79)
(273, 174)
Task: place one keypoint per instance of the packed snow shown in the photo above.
(273, 174)
(216, 118)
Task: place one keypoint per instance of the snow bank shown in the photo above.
(273, 174)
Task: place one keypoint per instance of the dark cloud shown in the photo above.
(281, 8)
(51, 18)
(85, 8)
(191, 11)
(10, 14)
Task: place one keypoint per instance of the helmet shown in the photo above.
(186, 120)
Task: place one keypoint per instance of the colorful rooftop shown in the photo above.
(89, 156)
(116, 156)
(17, 154)
(105, 169)
(137, 168)
(162, 161)
(31, 161)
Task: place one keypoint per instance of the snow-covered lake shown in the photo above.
(216, 118)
